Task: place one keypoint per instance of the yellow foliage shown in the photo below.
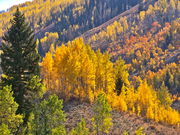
(144, 102)
(146, 97)
(78, 71)
(111, 31)
(47, 70)
(75, 70)
(131, 99)
(150, 106)
(142, 15)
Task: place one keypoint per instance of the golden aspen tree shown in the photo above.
(131, 99)
(142, 15)
(60, 60)
(79, 72)
(104, 73)
(88, 75)
(122, 102)
(150, 106)
(47, 70)
(74, 69)
(109, 82)
(124, 22)
(146, 98)
(99, 71)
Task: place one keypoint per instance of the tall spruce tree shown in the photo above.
(19, 58)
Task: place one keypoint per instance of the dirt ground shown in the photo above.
(121, 121)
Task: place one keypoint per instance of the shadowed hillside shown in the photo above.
(70, 18)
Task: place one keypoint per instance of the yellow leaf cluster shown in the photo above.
(76, 71)
(144, 102)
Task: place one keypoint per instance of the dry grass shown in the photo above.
(121, 121)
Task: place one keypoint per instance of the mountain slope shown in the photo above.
(121, 121)
(133, 16)
(68, 18)
(146, 37)
(133, 10)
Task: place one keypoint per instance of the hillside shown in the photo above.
(69, 18)
(90, 67)
(145, 36)
(121, 121)
(133, 10)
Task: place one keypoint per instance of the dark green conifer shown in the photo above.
(19, 58)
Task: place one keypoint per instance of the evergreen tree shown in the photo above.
(8, 118)
(40, 49)
(121, 75)
(47, 118)
(164, 96)
(4, 130)
(102, 115)
(19, 57)
(168, 78)
(81, 129)
(59, 130)
(34, 90)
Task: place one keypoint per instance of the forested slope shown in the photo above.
(123, 72)
(70, 18)
(147, 38)
(146, 35)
